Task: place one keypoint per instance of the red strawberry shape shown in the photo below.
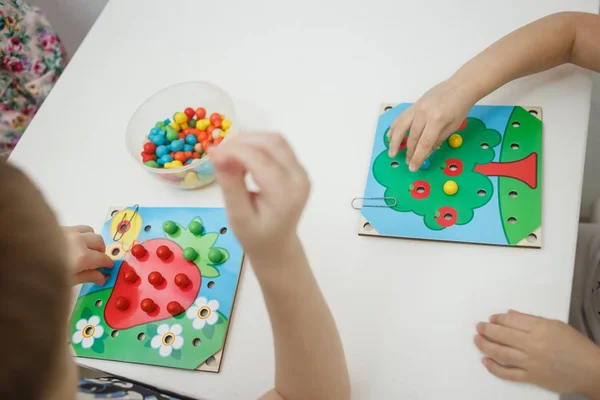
(154, 282)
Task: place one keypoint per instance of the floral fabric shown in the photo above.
(31, 60)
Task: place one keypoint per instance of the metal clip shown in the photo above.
(385, 199)
(125, 223)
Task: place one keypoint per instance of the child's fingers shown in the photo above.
(398, 132)
(506, 373)
(230, 174)
(277, 149)
(269, 177)
(424, 147)
(515, 320)
(502, 335)
(90, 275)
(416, 130)
(82, 228)
(275, 146)
(498, 352)
(96, 259)
(94, 241)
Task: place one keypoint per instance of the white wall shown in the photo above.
(72, 19)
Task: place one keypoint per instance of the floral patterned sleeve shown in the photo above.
(31, 60)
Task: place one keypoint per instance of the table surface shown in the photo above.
(317, 71)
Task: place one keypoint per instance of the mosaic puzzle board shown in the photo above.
(176, 319)
(498, 170)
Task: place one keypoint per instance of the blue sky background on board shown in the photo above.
(486, 225)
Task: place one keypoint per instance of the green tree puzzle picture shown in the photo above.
(494, 160)
(169, 297)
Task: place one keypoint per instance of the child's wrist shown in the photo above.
(470, 89)
(592, 390)
(277, 255)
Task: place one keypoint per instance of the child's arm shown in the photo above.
(567, 37)
(309, 358)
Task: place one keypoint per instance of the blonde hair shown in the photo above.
(34, 288)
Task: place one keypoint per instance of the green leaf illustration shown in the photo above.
(152, 329)
(208, 271)
(209, 331)
(98, 346)
(221, 319)
(176, 354)
(86, 313)
(148, 344)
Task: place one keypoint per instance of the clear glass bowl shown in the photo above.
(163, 105)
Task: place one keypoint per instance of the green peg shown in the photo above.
(170, 227)
(151, 164)
(215, 256)
(189, 253)
(195, 228)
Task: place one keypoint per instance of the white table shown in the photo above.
(318, 70)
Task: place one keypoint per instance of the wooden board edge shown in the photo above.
(386, 106)
(536, 243)
(365, 228)
(217, 366)
(219, 354)
(537, 109)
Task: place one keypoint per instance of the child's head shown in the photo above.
(34, 294)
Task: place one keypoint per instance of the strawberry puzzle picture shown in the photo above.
(169, 297)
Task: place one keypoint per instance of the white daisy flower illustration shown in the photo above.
(203, 312)
(87, 331)
(167, 339)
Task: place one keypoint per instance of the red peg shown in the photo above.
(122, 303)
(138, 251)
(149, 148)
(130, 276)
(155, 278)
(190, 113)
(148, 157)
(148, 305)
(163, 252)
(182, 280)
(215, 117)
(174, 308)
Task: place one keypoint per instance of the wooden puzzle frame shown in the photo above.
(120, 249)
(534, 240)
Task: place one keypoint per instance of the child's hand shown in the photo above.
(437, 114)
(536, 350)
(86, 254)
(264, 222)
